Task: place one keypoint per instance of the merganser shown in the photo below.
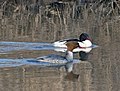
(66, 61)
(84, 42)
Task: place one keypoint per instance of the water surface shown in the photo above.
(19, 70)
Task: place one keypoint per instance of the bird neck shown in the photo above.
(69, 55)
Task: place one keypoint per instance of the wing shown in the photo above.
(62, 43)
(53, 59)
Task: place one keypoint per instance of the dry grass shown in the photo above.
(30, 21)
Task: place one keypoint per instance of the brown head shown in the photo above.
(72, 45)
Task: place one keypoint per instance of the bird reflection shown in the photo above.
(71, 77)
(83, 55)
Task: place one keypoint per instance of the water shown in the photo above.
(36, 78)
(12, 46)
(8, 47)
(27, 74)
(19, 70)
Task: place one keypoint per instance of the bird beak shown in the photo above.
(94, 46)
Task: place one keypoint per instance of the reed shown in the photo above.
(49, 21)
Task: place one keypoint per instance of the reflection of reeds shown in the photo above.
(30, 21)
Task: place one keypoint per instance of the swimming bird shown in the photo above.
(84, 42)
(66, 60)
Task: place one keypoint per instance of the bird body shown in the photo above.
(84, 42)
(66, 60)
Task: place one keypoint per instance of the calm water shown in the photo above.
(20, 72)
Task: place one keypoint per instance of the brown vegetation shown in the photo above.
(38, 20)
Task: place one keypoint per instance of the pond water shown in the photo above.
(26, 74)
(19, 70)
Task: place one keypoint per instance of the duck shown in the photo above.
(84, 42)
(66, 60)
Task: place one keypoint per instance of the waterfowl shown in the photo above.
(84, 42)
(66, 60)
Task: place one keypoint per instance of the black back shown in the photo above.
(72, 40)
(68, 40)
